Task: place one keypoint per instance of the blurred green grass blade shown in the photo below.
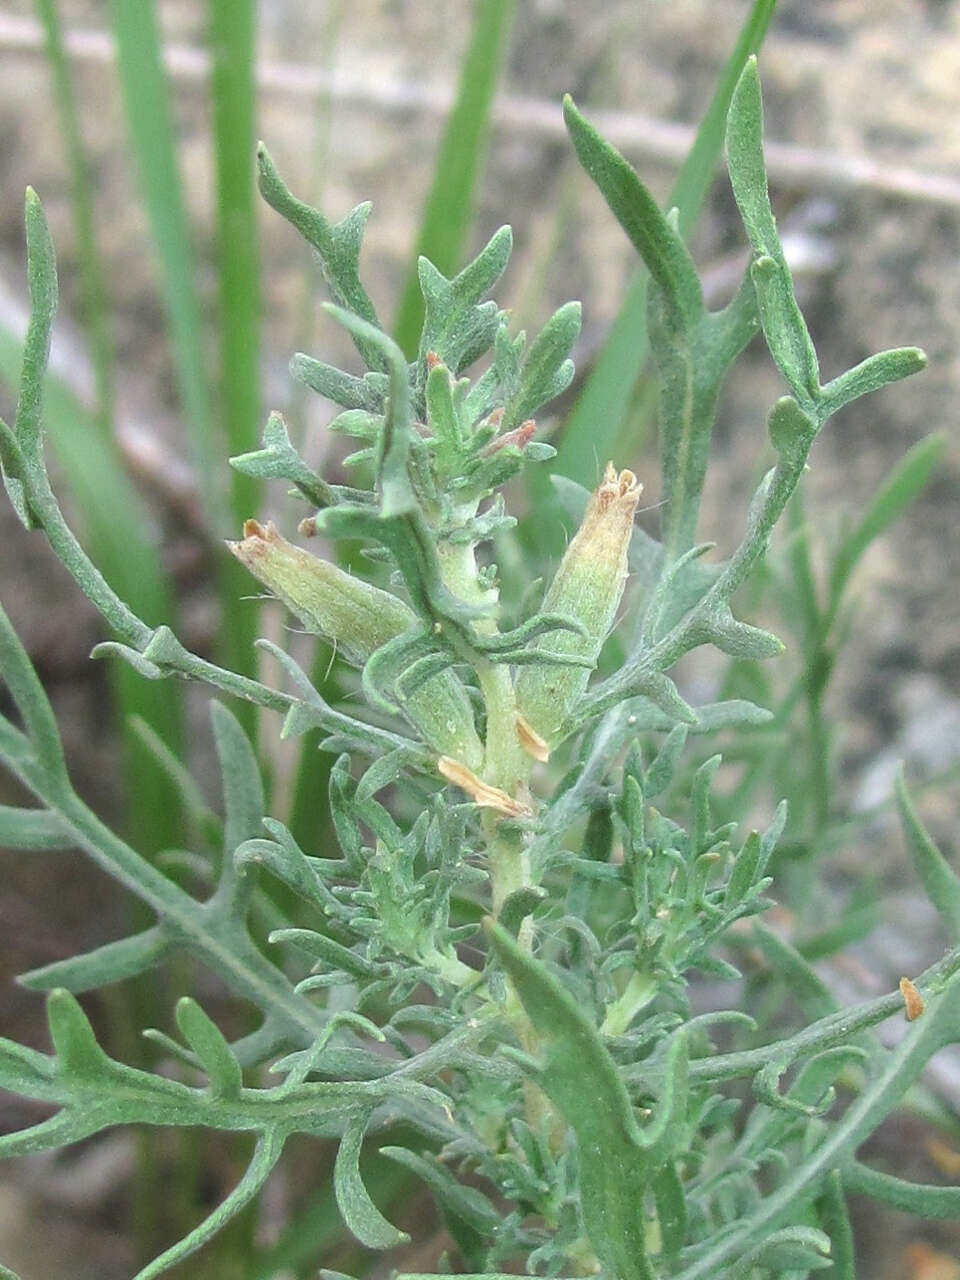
(311, 277)
(941, 882)
(448, 213)
(153, 144)
(899, 490)
(95, 311)
(233, 31)
(316, 1230)
(309, 818)
(593, 431)
(116, 531)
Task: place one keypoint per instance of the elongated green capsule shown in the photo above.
(587, 587)
(358, 619)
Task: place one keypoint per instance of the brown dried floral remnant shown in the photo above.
(912, 999)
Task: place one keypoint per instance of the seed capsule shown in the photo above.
(587, 587)
(358, 619)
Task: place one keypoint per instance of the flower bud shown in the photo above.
(358, 618)
(587, 588)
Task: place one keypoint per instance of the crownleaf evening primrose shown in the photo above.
(488, 964)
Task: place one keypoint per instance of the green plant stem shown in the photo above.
(506, 765)
(834, 1029)
(96, 317)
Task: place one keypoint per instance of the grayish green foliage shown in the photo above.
(562, 1065)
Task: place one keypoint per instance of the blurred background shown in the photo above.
(183, 296)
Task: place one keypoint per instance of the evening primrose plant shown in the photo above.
(489, 974)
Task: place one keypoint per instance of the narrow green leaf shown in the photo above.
(810, 1094)
(744, 872)
(738, 639)
(73, 1038)
(243, 799)
(32, 829)
(871, 374)
(924, 1201)
(835, 1220)
(153, 141)
(22, 1069)
(12, 464)
(42, 280)
(445, 421)
(748, 172)
(783, 325)
(458, 326)
(800, 1249)
(941, 882)
(96, 318)
(658, 243)
(448, 213)
(61, 1130)
(342, 388)
(661, 771)
(661, 690)
(899, 491)
(27, 692)
(284, 858)
(547, 369)
(359, 1212)
(233, 32)
(113, 962)
(278, 460)
(803, 983)
(330, 953)
(212, 1048)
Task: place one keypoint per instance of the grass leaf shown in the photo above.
(153, 142)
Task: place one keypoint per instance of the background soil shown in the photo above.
(860, 78)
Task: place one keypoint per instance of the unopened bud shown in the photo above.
(587, 588)
(358, 618)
